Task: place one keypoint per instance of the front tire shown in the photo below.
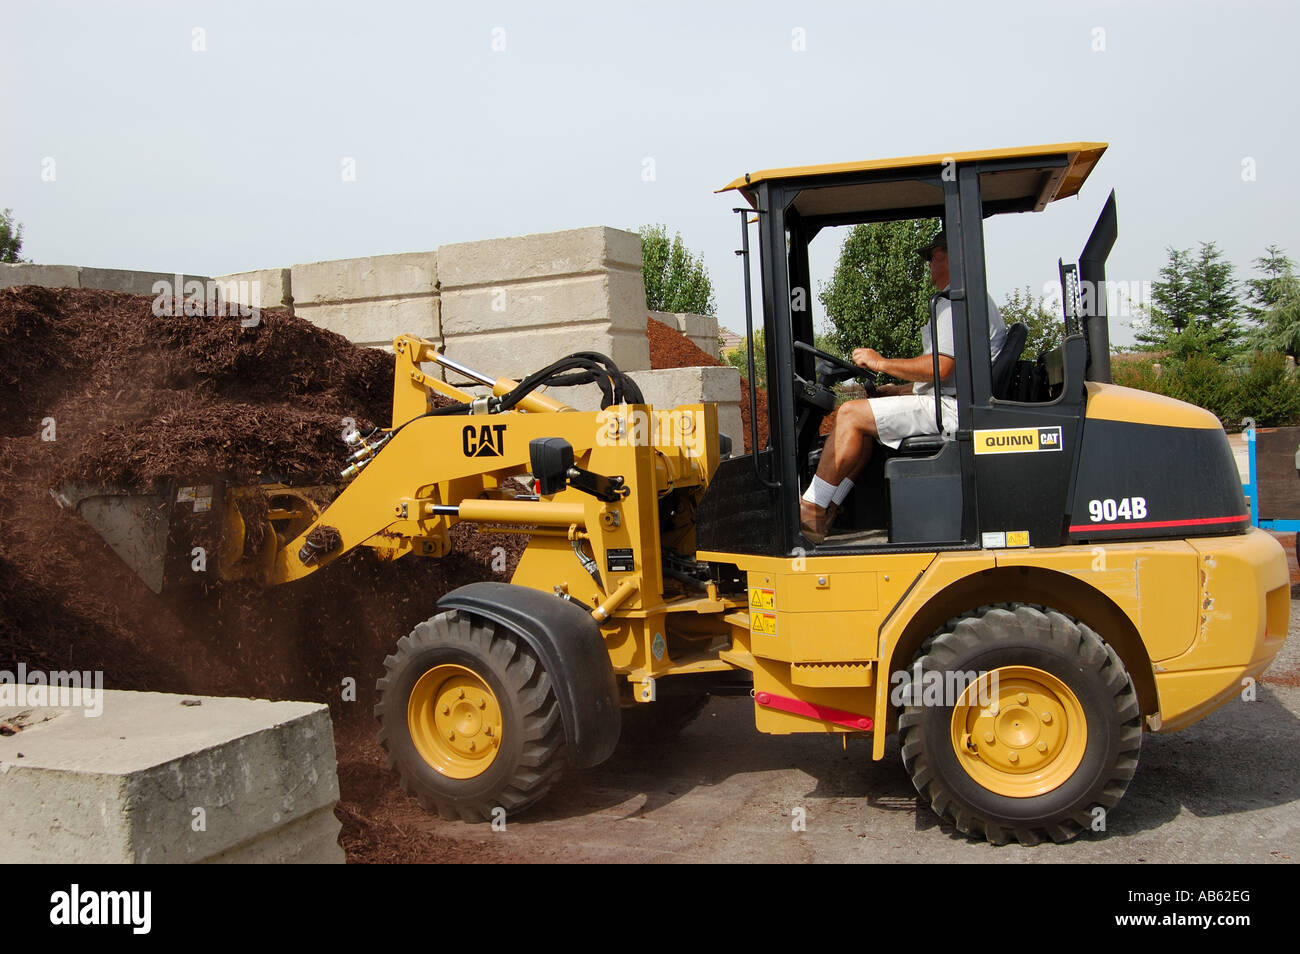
(469, 718)
(1044, 734)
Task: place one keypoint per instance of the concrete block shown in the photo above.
(672, 386)
(405, 275)
(375, 323)
(47, 276)
(545, 255)
(263, 288)
(132, 282)
(126, 786)
(576, 301)
(510, 306)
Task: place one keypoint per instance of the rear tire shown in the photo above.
(1038, 757)
(469, 718)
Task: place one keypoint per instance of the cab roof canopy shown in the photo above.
(1022, 179)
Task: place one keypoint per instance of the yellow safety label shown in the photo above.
(764, 623)
(761, 598)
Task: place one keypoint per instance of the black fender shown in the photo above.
(567, 640)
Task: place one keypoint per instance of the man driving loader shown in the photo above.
(895, 411)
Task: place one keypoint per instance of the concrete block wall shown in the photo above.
(370, 301)
(163, 778)
(702, 330)
(513, 305)
(77, 276)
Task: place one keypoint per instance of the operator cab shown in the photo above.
(931, 493)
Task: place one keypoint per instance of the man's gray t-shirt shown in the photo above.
(943, 328)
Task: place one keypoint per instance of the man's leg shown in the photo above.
(848, 446)
(845, 455)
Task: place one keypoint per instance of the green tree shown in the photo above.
(1195, 306)
(738, 358)
(675, 280)
(879, 296)
(11, 237)
(1274, 304)
(1046, 328)
(1171, 302)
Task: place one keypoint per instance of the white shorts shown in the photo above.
(907, 415)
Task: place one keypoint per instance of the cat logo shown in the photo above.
(485, 441)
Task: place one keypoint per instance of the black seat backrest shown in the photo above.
(1007, 358)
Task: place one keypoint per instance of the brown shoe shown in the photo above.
(814, 522)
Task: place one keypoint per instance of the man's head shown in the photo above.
(935, 252)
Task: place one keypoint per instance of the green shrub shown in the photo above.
(1261, 387)
(1269, 393)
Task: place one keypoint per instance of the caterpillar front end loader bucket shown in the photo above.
(171, 535)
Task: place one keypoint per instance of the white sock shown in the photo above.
(819, 493)
(842, 491)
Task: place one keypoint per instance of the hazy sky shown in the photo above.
(231, 157)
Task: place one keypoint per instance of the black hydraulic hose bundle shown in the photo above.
(584, 367)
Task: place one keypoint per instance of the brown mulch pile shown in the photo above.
(672, 349)
(143, 396)
(132, 397)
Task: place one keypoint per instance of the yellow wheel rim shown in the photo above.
(1019, 731)
(455, 721)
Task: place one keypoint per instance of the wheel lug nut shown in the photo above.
(471, 746)
(1022, 698)
(1042, 746)
(1013, 757)
(461, 695)
(488, 730)
(988, 736)
(482, 703)
(446, 710)
(1046, 717)
(451, 736)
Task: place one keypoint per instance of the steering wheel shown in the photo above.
(839, 368)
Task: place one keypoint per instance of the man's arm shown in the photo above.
(920, 368)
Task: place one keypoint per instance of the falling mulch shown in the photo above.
(94, 386)
(672, 349)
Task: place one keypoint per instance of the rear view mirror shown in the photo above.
(550, 459)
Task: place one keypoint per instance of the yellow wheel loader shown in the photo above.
(1020, 597)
